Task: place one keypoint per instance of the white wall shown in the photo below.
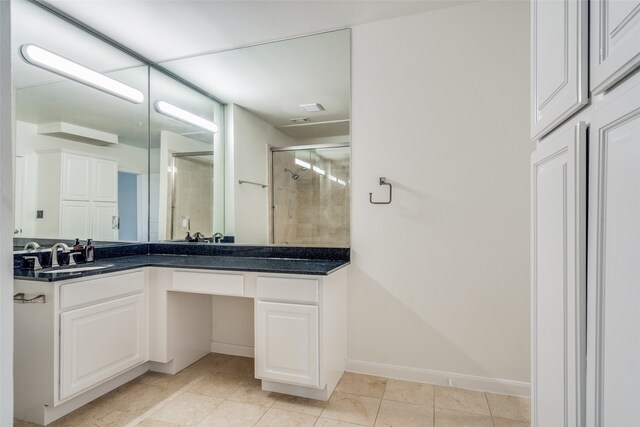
(6, 219)
(248, 144)
(439, 279)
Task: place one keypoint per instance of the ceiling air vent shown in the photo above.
(301, 120)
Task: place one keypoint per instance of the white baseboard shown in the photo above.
(515, 388)
(232, 349)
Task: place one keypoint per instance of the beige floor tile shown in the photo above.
(251, 392)
(509, 407)
(186, 409)
(363, 385)
(242, 366)
(139, 398)
(447, 418)
(179, 380)
(326, 422)
(217, 385)
(234, 414)
(211, 362)
(149, 422)
(281, 418)
(499, 422)
(300, 404)
(400, 414)
(352, 408)
(462, 400)
(409, 392)
(90, 415)
(20, 423)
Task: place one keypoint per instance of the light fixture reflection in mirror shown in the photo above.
(42, 58)
(177, 113)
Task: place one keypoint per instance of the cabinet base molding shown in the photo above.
(492, 385)
(296, 390)
(232, 349)
(46, 414)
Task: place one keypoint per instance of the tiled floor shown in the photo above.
(220, 390)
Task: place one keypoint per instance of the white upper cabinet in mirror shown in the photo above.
(81, 149)
(270, 93)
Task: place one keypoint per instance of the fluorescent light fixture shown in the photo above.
(318, 170)
(341, 182)
(312, 107)
(303, 164)
(184, 116)
(49, 61)
(333, 178)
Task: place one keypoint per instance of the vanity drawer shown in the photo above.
(287, 289)
(105, 288)
(208, 283)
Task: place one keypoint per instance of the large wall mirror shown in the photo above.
(287, 115)
(250, 145)
(81, 136)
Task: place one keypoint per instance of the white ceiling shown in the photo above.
(163, 30)
(269, 79)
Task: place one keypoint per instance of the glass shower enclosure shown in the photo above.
(311, 196)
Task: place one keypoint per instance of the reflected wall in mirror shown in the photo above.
(271, 92)
(186, 161)
(81, 153)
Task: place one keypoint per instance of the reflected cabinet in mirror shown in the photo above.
(81, 136)
(246, 146)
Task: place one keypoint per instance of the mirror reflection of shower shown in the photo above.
(294, 176)
(190, 194)
(310, 195)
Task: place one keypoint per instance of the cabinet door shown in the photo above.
(558, 287)
(558, 62)
(75, 220)
(615, 41)
(101, 341)
(287, 343)
(105, 181)
(614, 263)
(76, 177)
(105, 221)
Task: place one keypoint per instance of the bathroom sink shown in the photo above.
(75, 269)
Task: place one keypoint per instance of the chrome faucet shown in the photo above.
(217, 237)
(54, 253)
(31, 245)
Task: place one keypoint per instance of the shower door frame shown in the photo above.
(274, 149)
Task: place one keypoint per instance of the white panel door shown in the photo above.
(105, 221)
(558, 282)
(76, 177)
(559, 64)
(287, 343)
(75, 220)
(614, 263)
(615, 41)
(105, 180)
(101, 341)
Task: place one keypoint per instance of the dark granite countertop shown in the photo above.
(308, 266)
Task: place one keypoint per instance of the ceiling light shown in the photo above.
(333, 178)
(49, 61)
(318, 170)
(177, 113)
(312, 107)
(303, 164)
(341, 182)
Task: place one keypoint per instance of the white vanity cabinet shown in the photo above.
(78, 196)
(287, 329)
(89, 337)
(559, 62)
